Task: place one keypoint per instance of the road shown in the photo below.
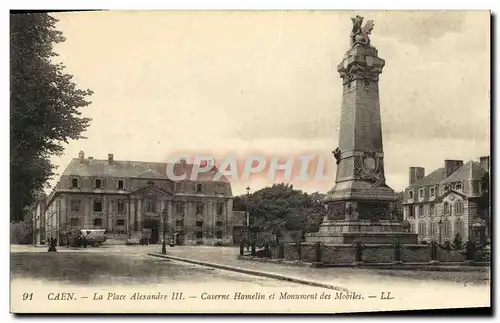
(127, 270)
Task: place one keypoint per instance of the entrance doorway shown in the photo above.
(154, 226)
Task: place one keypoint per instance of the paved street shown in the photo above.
(118, 265)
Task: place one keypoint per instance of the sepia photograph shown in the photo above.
(249, 161)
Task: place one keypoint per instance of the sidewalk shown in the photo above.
(352, 279)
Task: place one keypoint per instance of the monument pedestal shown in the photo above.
(366, 231)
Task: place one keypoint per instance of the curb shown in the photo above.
(441, 267)
(253, 272)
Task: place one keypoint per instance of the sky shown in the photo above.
(266, 82)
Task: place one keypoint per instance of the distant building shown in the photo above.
(131, 200)
(445, 202)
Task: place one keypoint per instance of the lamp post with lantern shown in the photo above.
(440, 224)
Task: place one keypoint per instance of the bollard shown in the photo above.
(434, 251)
(317, 251)
(397, 251)
(281, 250)
(266, 250)
(299, 250)
(242, 248)
(359, 251)
(253, 249)
(52, 245)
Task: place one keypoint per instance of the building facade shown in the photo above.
(134, 200)
(38, 218)
(444, 203)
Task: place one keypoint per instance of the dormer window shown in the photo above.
(446, 208)
(432, 191)
(121, 184)
(458, 186)
(199, 188)
(446, 188)
(75, 183)
(410, 194)
(421, 193)
(98, 183)
(178, 187)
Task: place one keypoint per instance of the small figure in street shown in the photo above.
(52, 245)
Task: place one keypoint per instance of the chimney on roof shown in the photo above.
(81, 156)
(485, 162)
(110, 159)
(416, 173)
(450, 166)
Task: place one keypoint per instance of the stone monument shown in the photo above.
(360, 205)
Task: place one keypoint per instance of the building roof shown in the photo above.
(134, 169)
(433, 178)
(470, 171)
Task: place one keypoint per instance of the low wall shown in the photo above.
(372, 253)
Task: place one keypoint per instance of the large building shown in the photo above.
(445, 203)
(132, 200)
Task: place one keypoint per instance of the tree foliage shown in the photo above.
(44, 106)
(281, 207)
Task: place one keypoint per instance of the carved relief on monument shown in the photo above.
(370, 167)
(359, 71)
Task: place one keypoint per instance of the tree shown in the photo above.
(281, 207)
(44, 106)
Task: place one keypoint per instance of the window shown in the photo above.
(458, 186)
(416, 209)
(218, 234)
(433, 232)
(98, 183)
(121, 184)
(121, 206)
(411, 213)
(179, 222)
(459, 227)
(150, 206)
(199, 188)
(199, 208)
(431, 209)
(179, 208)
(421, 210)
(447, 228)
(220, 208)
(446, 208)
(410, 194)
(120, 222)
(75, 222)
(199, 224)
(446, 188)
(97, 206)
(421, 193)
(199, 235)
(422, 229)
(97, 222)
(218, 223)
(74, 182)
(178, 187)
(75, 205)
(432, 191)
(459, 207)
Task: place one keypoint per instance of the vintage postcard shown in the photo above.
(249, 161)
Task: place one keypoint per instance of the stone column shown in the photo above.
(132, 215)
(139, 215)
(110, 214)
(127, 217)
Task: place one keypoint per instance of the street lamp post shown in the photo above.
(248, 219)
(164, 246)
(440, 223)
